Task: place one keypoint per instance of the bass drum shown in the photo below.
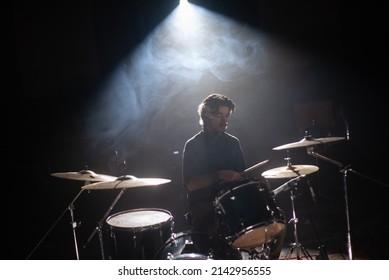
(138, 234)
(197, 245)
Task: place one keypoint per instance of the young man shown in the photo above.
(210, 158)
(212, 161)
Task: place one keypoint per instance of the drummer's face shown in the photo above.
(218, 123)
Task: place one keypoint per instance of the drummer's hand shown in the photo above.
(229, 176)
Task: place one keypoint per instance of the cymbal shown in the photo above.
(126, 181)
(308, 141)
(289, 171)
(84, 175)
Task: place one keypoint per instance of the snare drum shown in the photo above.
(249, 214)
(197, 245)
(138, 234)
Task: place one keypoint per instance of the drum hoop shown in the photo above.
(191, 256)
(257, 226)
(141, 228)
(177, 236)
(242, 233)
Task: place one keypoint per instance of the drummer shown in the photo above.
(211, 158)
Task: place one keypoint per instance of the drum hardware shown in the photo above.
(125, 182)
(257, 253)
(296, 245)
(138, 233)
(321, 248)
(83, 175)
(310, 144)
(287, 185)
(122, 182)
(296, 172)
(249, 215)
(284, 187)
(74, 224)
(308, 141)
(197, 245)
(344, 170)
(99, 225)
(289, 171)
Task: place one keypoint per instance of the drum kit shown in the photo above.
(147, 233)
(118, 221)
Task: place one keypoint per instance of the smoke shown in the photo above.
(183, 58)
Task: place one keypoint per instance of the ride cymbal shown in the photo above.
(84, 175)
(308, 141)
(126, 181)
(289, 171)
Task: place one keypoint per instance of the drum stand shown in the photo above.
(344, 170)
(296, 245)
(261, 254)
(74, 226)
(99, 226)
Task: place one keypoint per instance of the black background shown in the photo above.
(44, 121)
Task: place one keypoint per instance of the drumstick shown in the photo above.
(255, 166)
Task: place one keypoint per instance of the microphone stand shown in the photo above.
(343, 170)
(74, 226)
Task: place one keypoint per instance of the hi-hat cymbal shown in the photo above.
(308, 141)
(289, 171)
(126, 181)
(84, 175)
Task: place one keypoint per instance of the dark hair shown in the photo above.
(210, 106)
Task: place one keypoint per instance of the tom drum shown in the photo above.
(138, 234)
(249, 214)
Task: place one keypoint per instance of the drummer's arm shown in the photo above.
(206, 180)
(202, 181)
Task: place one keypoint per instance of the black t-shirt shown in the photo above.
(206, 153)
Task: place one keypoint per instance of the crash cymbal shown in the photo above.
(308, 141)
(84, 175)
(289, 171)
(126, 181)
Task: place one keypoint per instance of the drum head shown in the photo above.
(139, 219)
(257, 235)
(138, 234)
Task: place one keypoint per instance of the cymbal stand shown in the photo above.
(287, 185)
(296, 245)
(343, 170)
(322, 250)
(99, 226)
(74, 227)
